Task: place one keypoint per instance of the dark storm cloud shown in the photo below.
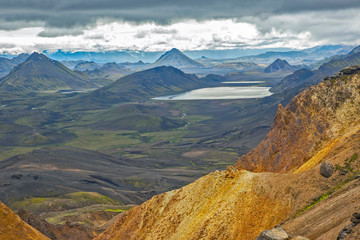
(72, 13)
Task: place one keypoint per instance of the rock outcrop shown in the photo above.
(12, 227)
(314, 119)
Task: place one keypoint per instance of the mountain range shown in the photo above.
(304, 78)
(39, 73)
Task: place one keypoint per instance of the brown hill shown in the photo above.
(12, 227)
(320, 124)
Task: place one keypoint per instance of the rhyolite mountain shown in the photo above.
(39, 73)
(177, 59)
(319, 125)
(279, 65)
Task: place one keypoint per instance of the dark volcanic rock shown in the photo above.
(346, 231)
(326, 169)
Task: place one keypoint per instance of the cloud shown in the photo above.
(158, 25)
(70, 13)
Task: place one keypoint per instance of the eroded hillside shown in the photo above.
(320, 124)
(314, 119)
(12, 227)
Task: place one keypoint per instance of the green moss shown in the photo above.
(64, 202)
(115, 210)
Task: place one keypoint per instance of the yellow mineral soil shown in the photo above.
(230, 204)
(13, 228)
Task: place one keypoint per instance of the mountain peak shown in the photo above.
(174, 50)
(37, 57)
(278, 65)
(177, 59)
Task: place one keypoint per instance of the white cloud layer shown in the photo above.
(295, 30)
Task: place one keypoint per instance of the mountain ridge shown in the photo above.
(39, 73)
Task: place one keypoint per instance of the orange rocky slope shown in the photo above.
(322, 123)
(13, 228)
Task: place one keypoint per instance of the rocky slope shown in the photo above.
(313, 119)
(320, 124)
(12, 227)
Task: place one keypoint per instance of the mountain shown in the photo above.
(6, 65)
(298, 57)
(20, 58)
(71, 64)
(304, 78)
(110, 70)
(177, 59)
(144, 85)
(12, 227)
(307, 166)
(279, 65)
(83, 66)
(39, 73)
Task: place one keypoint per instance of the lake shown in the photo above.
(220, 93)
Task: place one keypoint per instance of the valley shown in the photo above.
(122, 140)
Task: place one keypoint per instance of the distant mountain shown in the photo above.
(297, 57)
(109, 71)
(177, 59)
(304, 78)
(6, 64)
(20, 58)
(40, 73)
(279, 65)
(83, 66)
(144, 85)
(112, 69)
(72, 64)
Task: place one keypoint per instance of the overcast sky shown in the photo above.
(159, 25)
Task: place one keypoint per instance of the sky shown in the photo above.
(159, 25)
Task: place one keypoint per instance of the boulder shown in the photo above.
(277, 233)
(326, 169)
